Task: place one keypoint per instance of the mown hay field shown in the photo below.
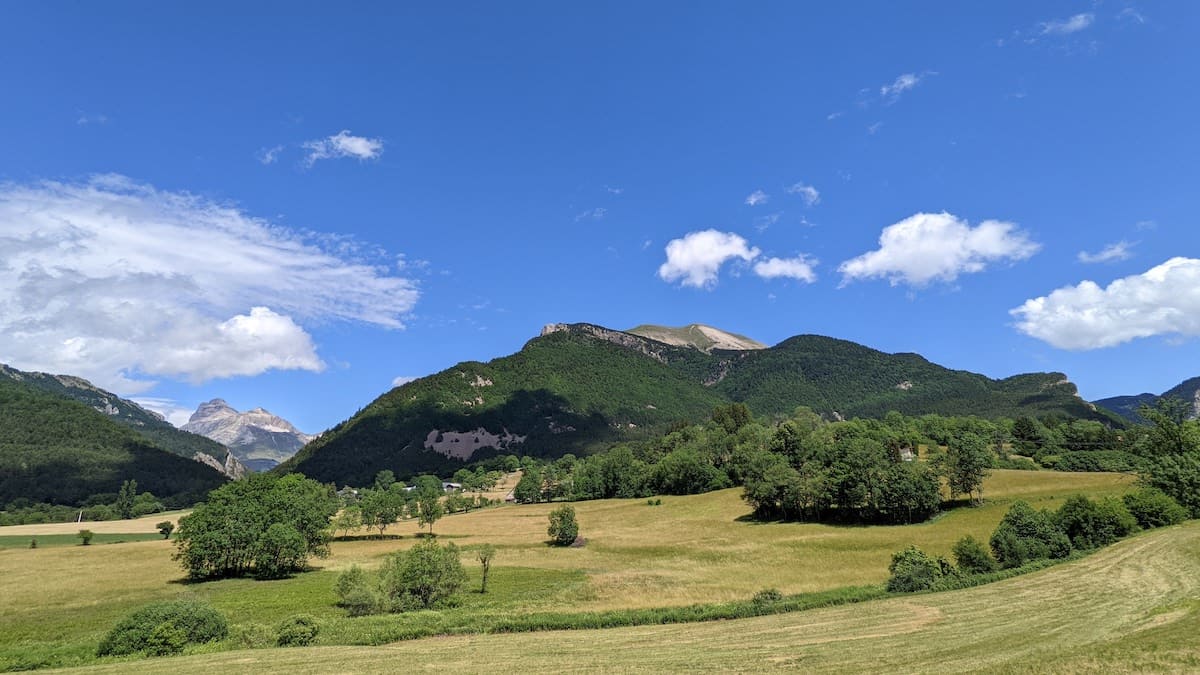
(59, 601)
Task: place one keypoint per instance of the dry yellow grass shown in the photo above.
(145, 524)
(1128, 608)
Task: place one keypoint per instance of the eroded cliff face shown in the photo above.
(257, 437)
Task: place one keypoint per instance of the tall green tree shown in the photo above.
(966, 464)
(564, 529)
(380, 508)
(126, 498)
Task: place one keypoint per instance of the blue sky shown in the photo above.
(293, 207)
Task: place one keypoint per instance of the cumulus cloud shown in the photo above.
(799, 268)
(928, 247)
(1072, 24)
(1111, 253)
(119, 282)
(757, 197)
(696, 258)
(1164, 300)
(342, 144)
(808, 193)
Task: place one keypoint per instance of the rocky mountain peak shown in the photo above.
(258, 438)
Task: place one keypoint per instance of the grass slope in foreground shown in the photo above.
(1129, 608)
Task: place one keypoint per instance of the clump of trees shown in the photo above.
(262, 525)
(425, 576)
(1027, 536)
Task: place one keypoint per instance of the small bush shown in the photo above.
(972, 557)
(197, 622)
(767, 596)
(299, 630)
(85, 537)
(564, 529)
(166, 639)
(354, 592)
(913, 570)
(1152, 507)
(33, 542)
(252, 636)
(422, 577)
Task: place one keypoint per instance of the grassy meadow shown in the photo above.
(60, 600)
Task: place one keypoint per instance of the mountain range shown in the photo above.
(259, 439)
(1127, 406)
(64, 441)
(579, 387)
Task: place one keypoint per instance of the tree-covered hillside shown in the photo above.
(150, 426)
(57, 450)
(1128, 406)
(580, 387)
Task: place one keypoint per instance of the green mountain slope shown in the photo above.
(580, 387)
(567, 391)
(57, 450)
(149, 425)
(1127, 406)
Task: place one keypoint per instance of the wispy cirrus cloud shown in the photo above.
(808, 193)
(1121, 250)
(119, 282)
(757, 197)
(1069, 25)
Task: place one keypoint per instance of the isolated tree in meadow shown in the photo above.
(165, 528)
(351, 518)
(966, 464)
(85, 537)
(485, 555)
(421, 577)
(126, 498)
(429, 505)
(380, 508)
(564, 529)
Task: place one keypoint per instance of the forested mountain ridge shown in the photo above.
(580, 387)
(1187, 391)
(150, 425)
(57, 450)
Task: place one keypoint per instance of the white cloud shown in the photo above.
(928, 247)
(764, 222)
(1131, 14)
(401, 380)
(174, 413)
(592, 214)
(757, 197)
(613, 190)
(833, 116)
(120, 283)
(1164, 300)
(905, 82)
(1111, 253)
(269, 155)
(342, 144)
(85, 119)
(874, 128)
(809, 193)
(799, 268)
(696, 258)
(1072, 24)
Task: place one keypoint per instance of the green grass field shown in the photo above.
(1133, 607)
(59, 601)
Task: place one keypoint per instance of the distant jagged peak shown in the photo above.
(699, 336)
(256, 437)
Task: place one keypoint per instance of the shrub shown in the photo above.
(1091, 524)
(1179, 477)
(166, 639)
(354, 592)
(195, 621)
(564, 529)
(85, 537)
(33, 542)
(767, 596)
(1024, 534)
(298, 630)
(252, 636)
(424, 576)
(165, 528)
(913, 570)
(972, 557)
(1152, 507)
